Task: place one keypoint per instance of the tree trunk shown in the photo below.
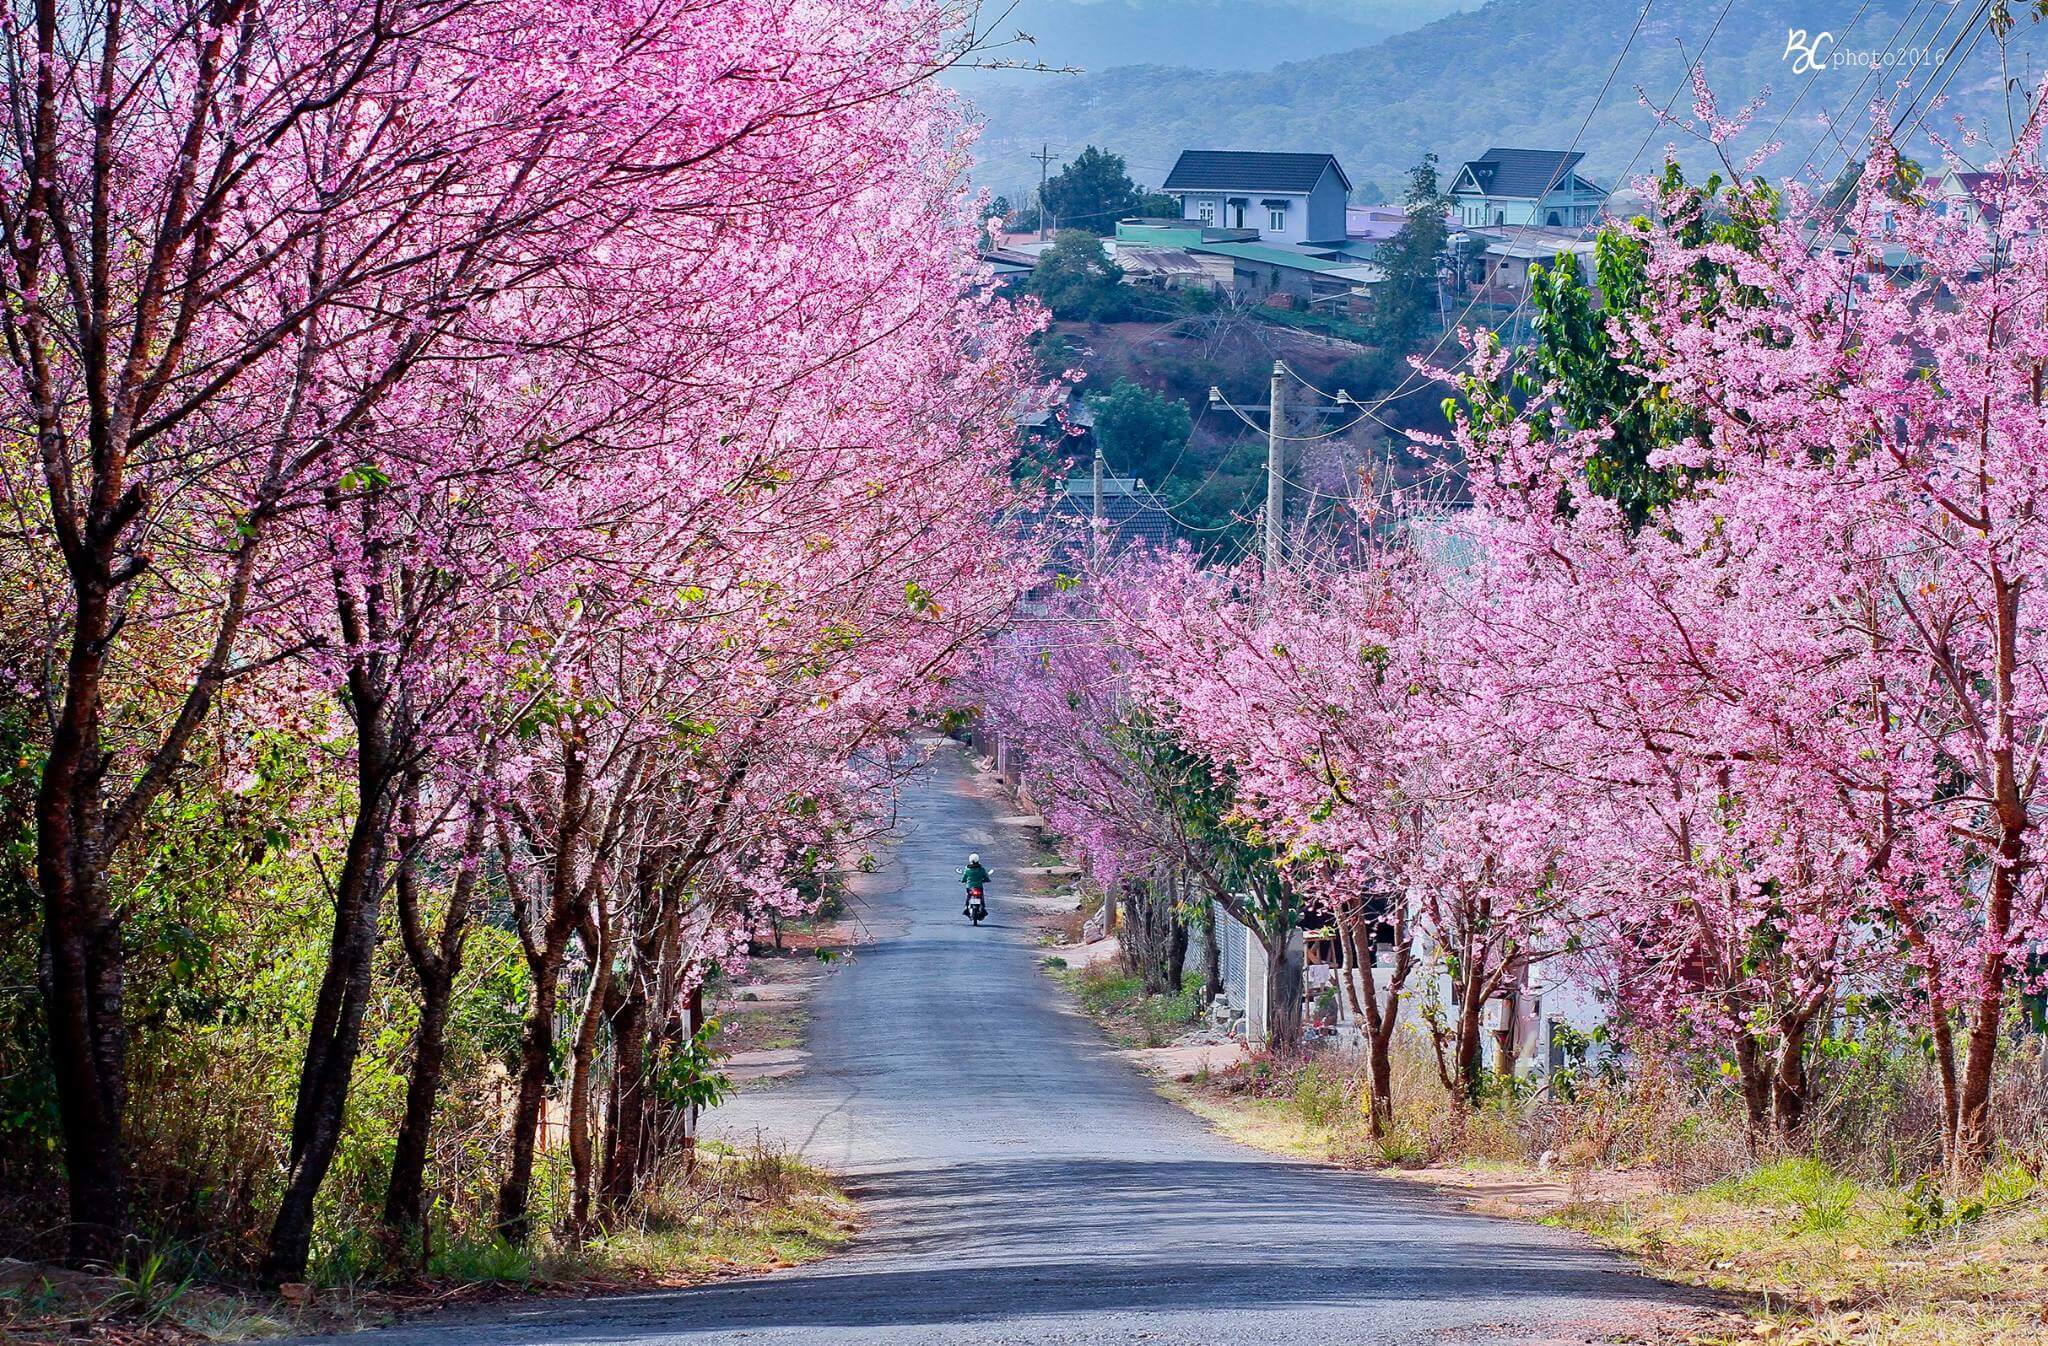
(545, 951)
(536, 1063)
(1283, 992)
(623, 1145)
(1212, 955)
(336, 1034)
(1971, 1148)
(1504, 1044)
(1789, 1081)
(84, 993)
(1357, 933)
(405, 1195)
(1756, 1086)
(1155, 942)
(437, 969)
(1471, 1011)
(582, 1058)
(696, 1026)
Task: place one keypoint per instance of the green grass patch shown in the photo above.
(1116, 998)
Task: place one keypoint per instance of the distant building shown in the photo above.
(1503, 256)
(1968, 196)
(1286, 198)
(1132, 513)
(1518, 187)
(1369, 227)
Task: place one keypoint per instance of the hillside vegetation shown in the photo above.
(1514, 72)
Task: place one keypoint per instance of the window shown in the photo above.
(1276, 217)
(1208, 212)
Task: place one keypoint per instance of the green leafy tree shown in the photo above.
(1231, 861)
(1158, 206)
(1142, 433)
(1405, 304)
(1078, 282)
(1575, 353)
(1091, 193)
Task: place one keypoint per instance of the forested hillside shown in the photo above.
(1093, 35)
(1512, 72)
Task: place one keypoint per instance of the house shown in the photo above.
(1502, 257)
(1370, 228)
(1968, 196)
(1286, 198)
(1131, 513)
(1313, 274)
(1519, 187)
(1260, 271)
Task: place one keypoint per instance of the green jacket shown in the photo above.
(974, 876)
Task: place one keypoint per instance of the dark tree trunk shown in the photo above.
(1971, 1147)
(84, 993)
(336, 1035)
(405, 1196)
(1471, 1012)
(1155, 942)
(1212, 957)
(405, 1222)
(1283, 992)
(695, 1025)
(582, 1067)
(536, 1063)
(545, 952)
(1789, 1081)
(623, 1145)
(1357, 932)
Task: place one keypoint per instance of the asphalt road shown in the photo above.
(1021, 1183)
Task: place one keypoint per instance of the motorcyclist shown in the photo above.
(974, 876)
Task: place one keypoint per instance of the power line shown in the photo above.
(1404, 386)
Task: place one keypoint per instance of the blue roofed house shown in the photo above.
(1511, 187)
(1287, 198)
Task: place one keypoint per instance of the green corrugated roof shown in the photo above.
(1158, 235)
(1260, 252)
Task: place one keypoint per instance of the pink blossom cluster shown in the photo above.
(1762, 765)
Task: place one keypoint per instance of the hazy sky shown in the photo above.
(1207, 34)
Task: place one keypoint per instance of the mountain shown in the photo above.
(1090, 35)
(1525, 72)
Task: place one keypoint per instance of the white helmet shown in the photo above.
(973, 859)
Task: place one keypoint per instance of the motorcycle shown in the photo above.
(977, 906)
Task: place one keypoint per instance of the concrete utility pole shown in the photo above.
(1276, 480)
(1095, 505)
(1044, 157)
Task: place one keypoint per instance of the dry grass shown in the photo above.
(738, 1213)
(1826, 1259)
(1820, 1251)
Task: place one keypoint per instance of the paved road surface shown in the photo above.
(1020, 1183)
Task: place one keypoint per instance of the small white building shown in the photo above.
(1287, 198)
(1517, 187)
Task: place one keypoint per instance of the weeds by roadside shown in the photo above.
(1836, 1247)
(1116, 998)
(738, 1212)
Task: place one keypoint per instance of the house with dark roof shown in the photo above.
(1972, 197)
(1287, 198)
(1509, 187)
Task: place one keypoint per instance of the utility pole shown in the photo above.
(1276, 479)
(1044, 157)
(1095, 503)
(1276, 453)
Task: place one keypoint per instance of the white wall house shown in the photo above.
(1510, 187)
(1288, 198)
